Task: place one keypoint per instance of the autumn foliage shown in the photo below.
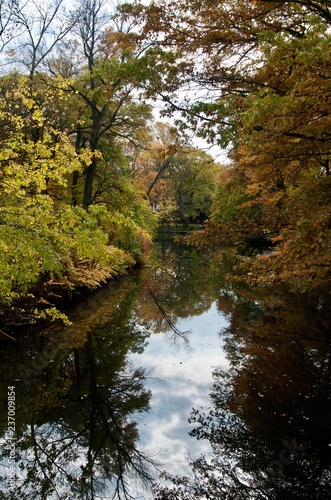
(82, 169)
(260, 75)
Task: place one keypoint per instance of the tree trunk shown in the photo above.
(89, 177)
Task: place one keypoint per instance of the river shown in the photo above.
(160, 367)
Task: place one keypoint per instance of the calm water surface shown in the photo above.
(181, 374)
(160, 367)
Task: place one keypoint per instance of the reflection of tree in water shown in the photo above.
(78, 397)
(180, 283)
(269, 425)
(76, 408)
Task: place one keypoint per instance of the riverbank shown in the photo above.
(45, 301)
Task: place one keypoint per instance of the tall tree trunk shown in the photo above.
(74, 187)
(75, 175)
(97, 120)
(88, 185)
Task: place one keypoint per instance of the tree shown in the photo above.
(179, 180)
(290, 179)
(39, 230)
(40, 29)
(67, 120)
(260, 72)
(107, 89)
(190, 180)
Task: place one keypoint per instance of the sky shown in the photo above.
(181, 379)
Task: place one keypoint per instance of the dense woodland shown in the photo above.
(116, 121)
(88, 172)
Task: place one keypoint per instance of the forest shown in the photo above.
(109, 121)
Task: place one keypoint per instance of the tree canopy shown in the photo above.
(253, 77)
(78, 140)
(71, 216)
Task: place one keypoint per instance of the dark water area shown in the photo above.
(163, 366)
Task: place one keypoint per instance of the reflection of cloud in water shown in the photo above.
(183, 378)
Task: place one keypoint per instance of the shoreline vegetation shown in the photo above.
(46, 300)
(87, 173)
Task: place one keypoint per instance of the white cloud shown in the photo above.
(181, 379)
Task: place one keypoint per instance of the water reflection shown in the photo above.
(269, 424)
(180, 283)
(81, 391)
(78, 396)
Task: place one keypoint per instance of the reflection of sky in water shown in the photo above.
(181, 379)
